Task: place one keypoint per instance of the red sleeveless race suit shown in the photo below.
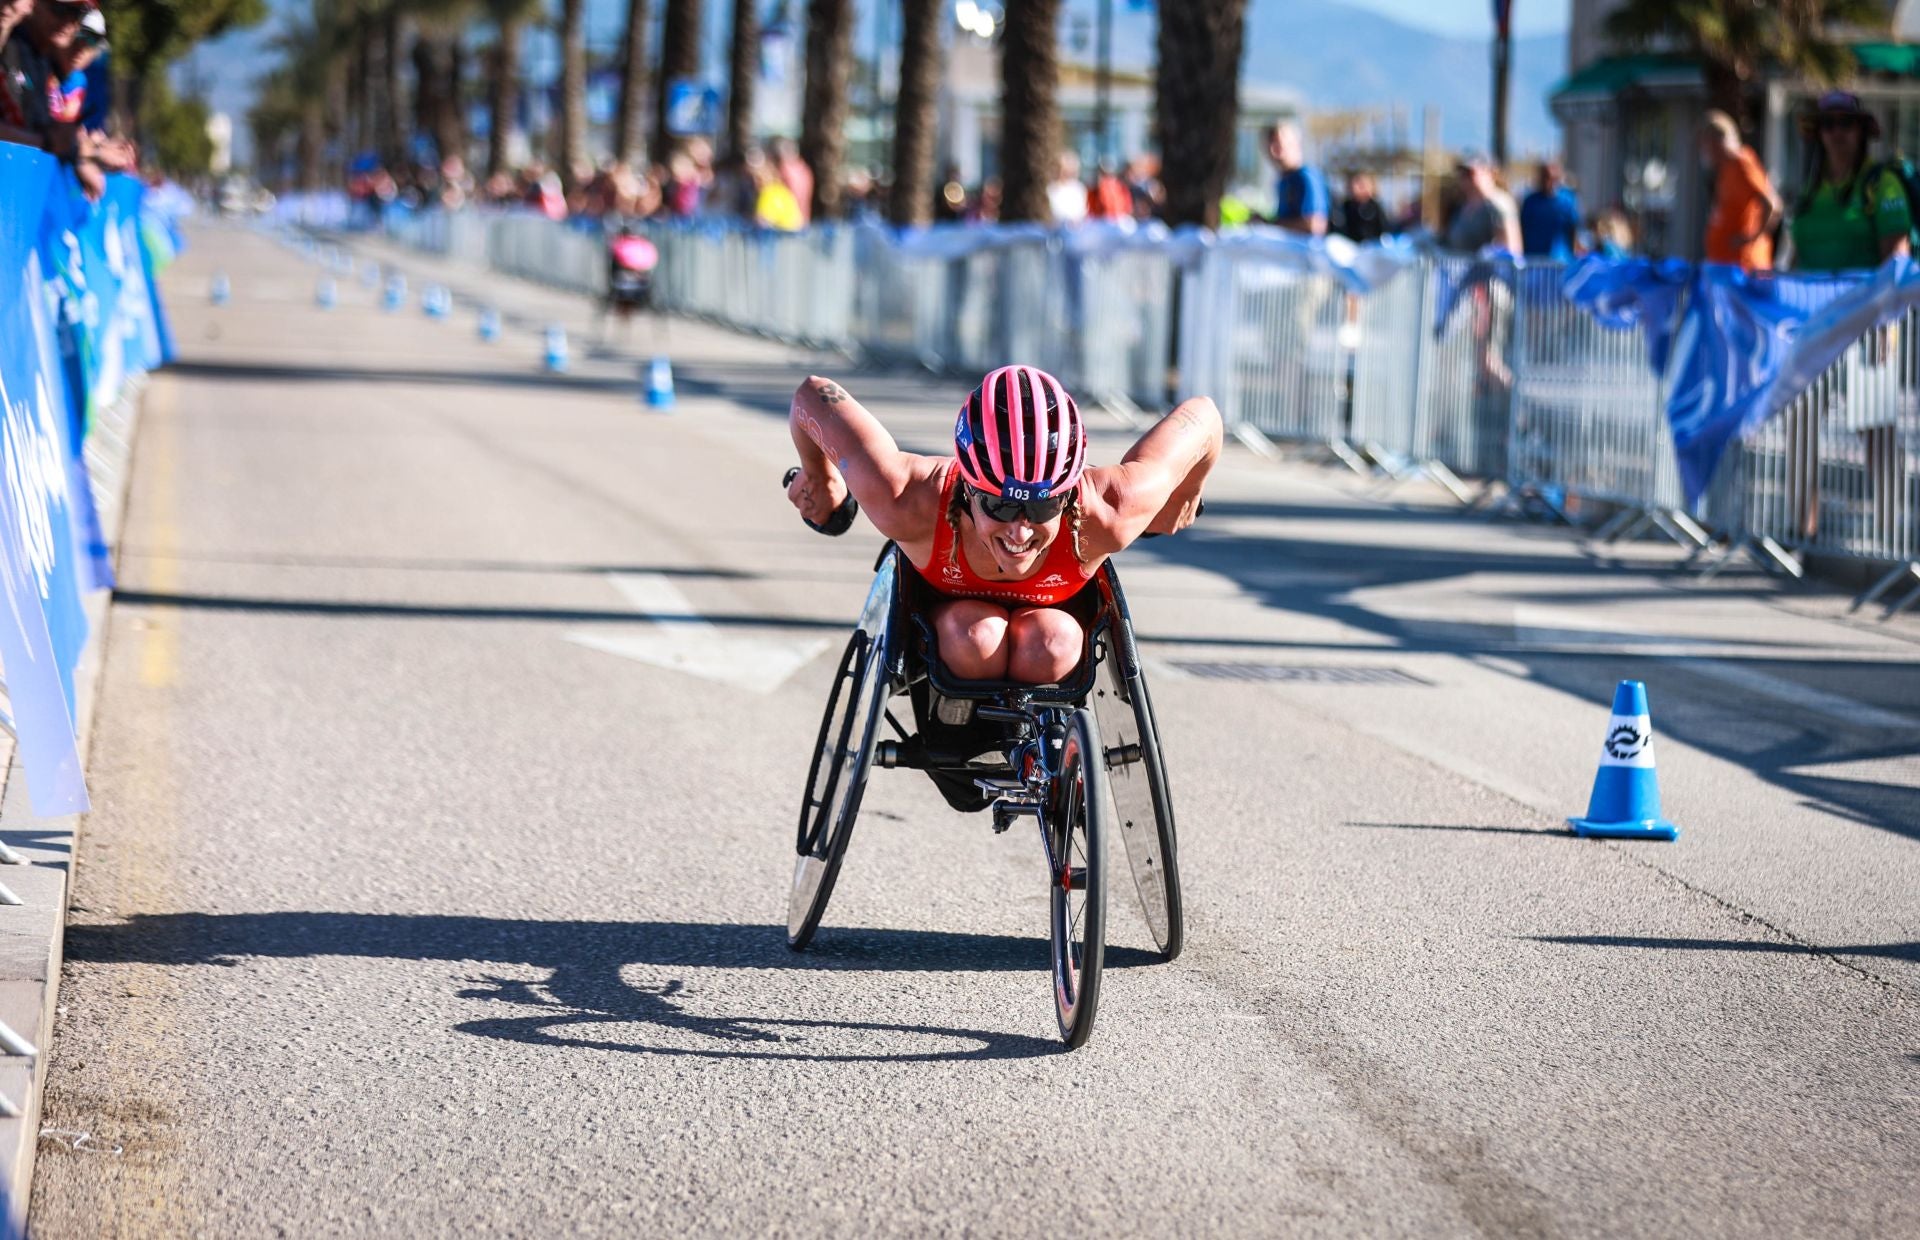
(1059, 577)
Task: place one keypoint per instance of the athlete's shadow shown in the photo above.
(584, 1001)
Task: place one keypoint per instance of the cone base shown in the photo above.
(1649, 829)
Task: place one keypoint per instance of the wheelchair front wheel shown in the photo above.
(836, 781)
(1077, 829)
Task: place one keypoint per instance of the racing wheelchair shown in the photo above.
(1081, 758)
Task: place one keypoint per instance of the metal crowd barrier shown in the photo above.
(1456, 368)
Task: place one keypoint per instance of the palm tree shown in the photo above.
(1197, 104)
(1029, 107)
(509, 19)
(1735, 40)
(679, 58)
(914, 119)
(629, 122)
(743, 71)
(570, 152)
(824, 106)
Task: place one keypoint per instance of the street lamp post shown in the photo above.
(1502, 38)
(1103, 82)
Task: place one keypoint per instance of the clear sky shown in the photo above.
(1469, 17)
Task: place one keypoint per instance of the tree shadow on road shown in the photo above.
(584, 987)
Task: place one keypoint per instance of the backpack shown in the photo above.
(1908, 175)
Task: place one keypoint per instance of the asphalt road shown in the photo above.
(428, 895)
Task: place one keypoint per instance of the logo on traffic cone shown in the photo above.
(556, 350)
(1626, 791)
(489, 325)
(660, 383)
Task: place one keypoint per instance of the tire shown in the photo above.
(1142, 803)
(836, 781)
(1077, 825)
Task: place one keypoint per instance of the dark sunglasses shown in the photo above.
(1035, 511)
(1839, 122)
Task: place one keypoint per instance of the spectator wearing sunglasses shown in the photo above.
(34, 72)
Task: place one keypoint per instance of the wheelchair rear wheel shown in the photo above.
(842, 757)
(1142, 806)
(1077, 827)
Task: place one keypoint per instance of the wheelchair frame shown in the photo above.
(998, 746)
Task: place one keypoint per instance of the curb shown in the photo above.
(32, 934)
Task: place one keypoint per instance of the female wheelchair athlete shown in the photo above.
(1080, 757)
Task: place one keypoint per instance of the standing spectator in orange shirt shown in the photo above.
(1745, 206)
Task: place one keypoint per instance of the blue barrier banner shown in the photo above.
(42, 625)
(1732, 339)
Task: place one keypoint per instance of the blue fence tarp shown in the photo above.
(79, 317)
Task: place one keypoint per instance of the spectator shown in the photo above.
(1109, 199)
(1066, 195)
(775, 206)
(1301, 202)
(1745, 207)
(950, 201)
(1853, 215)
(1362, 218)
(1487, 217)
(1612, 234)
(1550, 216)
(1143, 183)
(14, 125)
(795, 175)
(42, 108)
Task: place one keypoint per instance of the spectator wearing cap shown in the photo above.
(1549, 216)
(1745, 206)
(1301, 202)
(1487, 218)
(1852, 215)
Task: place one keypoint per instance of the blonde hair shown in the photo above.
(1717, 120)
(958, 507)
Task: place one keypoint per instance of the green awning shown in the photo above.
(1610, 75)
(1899, 59)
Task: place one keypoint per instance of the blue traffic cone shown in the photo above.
(660, 383)
(396, 294)
(556, 359)
(1626, 792)
(435, 302)
(325, 294)
(489, 325)
(221, 289)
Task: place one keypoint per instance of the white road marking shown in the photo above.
(689, 644)
(1839, 709)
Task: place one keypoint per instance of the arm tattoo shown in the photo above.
(831, 393)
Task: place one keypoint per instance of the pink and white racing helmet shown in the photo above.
(1019, 436)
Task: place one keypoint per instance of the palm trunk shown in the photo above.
(679, 58)
(914, 117)
(823, 120)
(452, 135)
(630, 124)
(1198, 101)
(503, 69)
(310, 142)
(1029, 106)
(743, 65)
(393, 136)
(571, 152)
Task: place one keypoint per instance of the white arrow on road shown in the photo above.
(680, 640)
